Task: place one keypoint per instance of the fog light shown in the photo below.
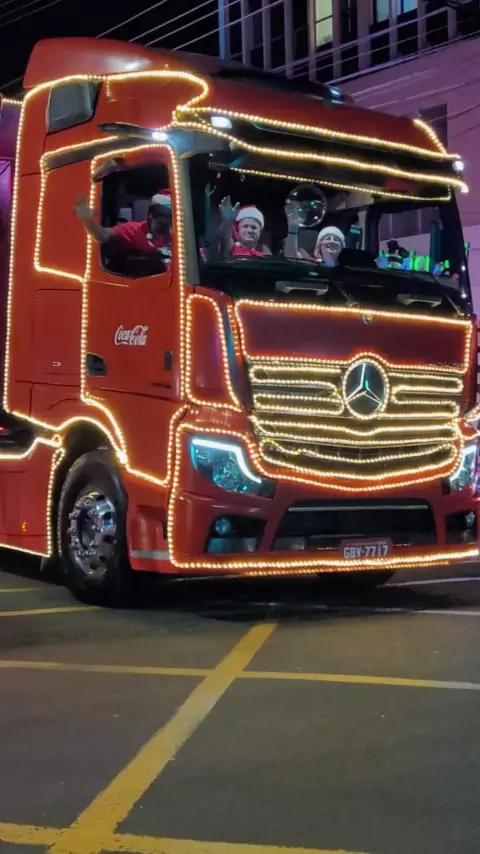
(223, 526)
(469, 520)
(234, 535)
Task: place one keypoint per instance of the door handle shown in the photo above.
(96, 365)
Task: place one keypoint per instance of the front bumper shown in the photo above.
(432, 534)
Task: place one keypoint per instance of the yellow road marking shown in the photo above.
(286, 676)
(90, 832)
(151, 845)
(357, 679)
(25, 834)
(127, 669)
(18, 589)
(68, 609)
(20, 834)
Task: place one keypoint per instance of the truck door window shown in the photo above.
(137, 208)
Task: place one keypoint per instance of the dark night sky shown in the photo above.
(91, 17)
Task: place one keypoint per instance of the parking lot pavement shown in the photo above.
(241, 718)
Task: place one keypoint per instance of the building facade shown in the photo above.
(412, 57)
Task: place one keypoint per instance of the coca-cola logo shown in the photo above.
(136, 337)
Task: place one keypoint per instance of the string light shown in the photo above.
(435, 139)
(258, 564)
(176, 429)
(435, 559)
(234, 402)
(39, 267)
(298, 308)
(442, 469)
(439, 154)
(341, 185)
(382, 458)
(329, 159)
(56, 460)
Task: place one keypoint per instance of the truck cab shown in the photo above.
(301, 400)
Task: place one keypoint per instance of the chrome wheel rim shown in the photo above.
(92, 532)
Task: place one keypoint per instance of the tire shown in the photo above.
(92, 531)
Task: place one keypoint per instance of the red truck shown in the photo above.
(264, 385)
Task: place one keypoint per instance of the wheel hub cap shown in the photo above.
(92, 532)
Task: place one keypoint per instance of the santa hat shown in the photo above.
(331, 231)
(250, 212)
(163, 198)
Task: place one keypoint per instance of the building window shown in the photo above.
(406, 6)
(382, 11)
(323, 22)
(385, 9)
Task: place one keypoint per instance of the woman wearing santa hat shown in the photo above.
(330, 242)
(241, 229)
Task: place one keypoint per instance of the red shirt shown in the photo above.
(240, 249)
(136, 235)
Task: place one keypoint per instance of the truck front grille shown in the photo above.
(323, 525)
(357, 420)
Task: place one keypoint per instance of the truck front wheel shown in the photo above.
(91, 531)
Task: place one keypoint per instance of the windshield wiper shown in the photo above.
(288, 287)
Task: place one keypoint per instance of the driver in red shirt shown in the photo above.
(241, 230)
(154, 235)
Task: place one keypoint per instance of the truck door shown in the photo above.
(131, 309)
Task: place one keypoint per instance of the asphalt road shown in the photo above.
(233, 718)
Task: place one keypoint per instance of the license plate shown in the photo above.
(365, 550)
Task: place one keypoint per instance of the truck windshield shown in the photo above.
(261, 234)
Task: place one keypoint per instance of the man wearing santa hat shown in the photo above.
(154, 235)
(241, 229)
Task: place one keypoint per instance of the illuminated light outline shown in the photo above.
(319, 366)
(56, 460)
(259, 407)
(76, 277)
(427, 389)
(22, 455)
(14, 216)
(454, 412)
(358, 312)
(306, 156)
(378, 478)
(160, 74)
(6, 100)
(433, 136)
(234, 402)
(300, 425)
(438, 559)
(424, 452)
(440, 154)
(296, 565)
(92, 401)
(236, 450)
(270, 432)
(341, 185)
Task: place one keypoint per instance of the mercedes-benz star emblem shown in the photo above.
(365, 389)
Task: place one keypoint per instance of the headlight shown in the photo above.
(225, 465)
(465, 474)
